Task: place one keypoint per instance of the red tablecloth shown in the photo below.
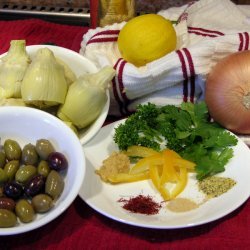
(80, 227)
(36, 31)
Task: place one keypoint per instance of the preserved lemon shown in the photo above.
(146, 38)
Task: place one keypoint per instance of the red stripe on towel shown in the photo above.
(184, 72)
(246, 40)
(218, 33)
(116, 64)
(201, 34)
(109, 36)
(192, 73)
(103, 40)
(120, 81)
(241, 42)
(124, 109)
(106, 32)
(114, 84)
(118, 87)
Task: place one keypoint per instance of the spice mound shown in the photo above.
(116, 163)
(141, 204)
(181, 205)
(215, 186)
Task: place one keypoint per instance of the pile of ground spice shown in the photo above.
(215, 186)
(141, 204)
(181, 205)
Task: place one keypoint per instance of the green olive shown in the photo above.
(11, 168)
(25, 173)
(43, 168)
(24, 211)
(44, 148)
(29, 155)
(42, 203)
(12, 150)
(2, 159)
(7, 218)
(54, 184)
(3, 176)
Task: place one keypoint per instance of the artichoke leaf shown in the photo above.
(86, 98)
(12, 102)
(12, 69)
(44, 82)
(70, 76)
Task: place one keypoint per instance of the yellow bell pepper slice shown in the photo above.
(171, 153)
(156, 179)
(143, 164)
(181, 184)
(164, 193)
(140, 151)
(154, 175)
(124, 177)
(180, 162)
(169, 172)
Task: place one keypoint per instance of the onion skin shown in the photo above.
(227, 93)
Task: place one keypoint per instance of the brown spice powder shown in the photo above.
(181, 205)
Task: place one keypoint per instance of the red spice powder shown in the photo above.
(141, 204)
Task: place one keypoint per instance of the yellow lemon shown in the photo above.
(146, 38)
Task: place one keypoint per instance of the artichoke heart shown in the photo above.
(44, 83)
(12, 69)
(86, 98)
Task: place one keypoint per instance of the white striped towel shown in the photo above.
(207, 30)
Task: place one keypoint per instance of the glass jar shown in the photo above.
(115, 11)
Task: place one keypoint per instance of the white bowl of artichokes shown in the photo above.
(59, 81)
(42, 166)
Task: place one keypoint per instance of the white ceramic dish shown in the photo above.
(80, 65)
(103, 197)
(26, 125)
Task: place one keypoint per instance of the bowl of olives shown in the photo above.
(42, 166)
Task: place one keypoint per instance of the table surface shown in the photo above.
(80, 227)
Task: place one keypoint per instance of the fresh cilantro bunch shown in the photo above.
(185, 129)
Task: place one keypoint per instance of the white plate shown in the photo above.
(80, 65)
(103, 197)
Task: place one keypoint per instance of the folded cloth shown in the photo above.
(207, 30)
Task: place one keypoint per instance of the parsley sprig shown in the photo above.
(185, 129)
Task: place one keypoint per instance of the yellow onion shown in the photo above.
(227, 92)
(86, 98)
(44, 83)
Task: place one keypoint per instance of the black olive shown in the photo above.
(57, 161)
(35, 186)
(13, 190)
